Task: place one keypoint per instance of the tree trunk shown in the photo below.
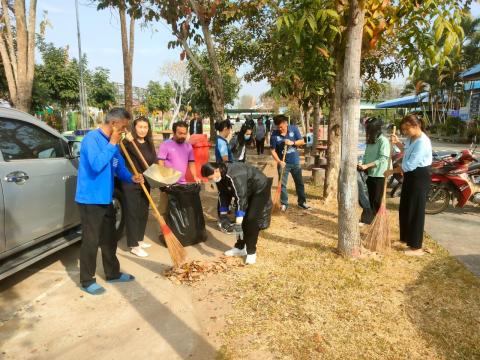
(348, 236)
(330, 189)
(316, 123)
(213, 84)
(18, 53)
(63, 113)
(306, 112)
(127, 51)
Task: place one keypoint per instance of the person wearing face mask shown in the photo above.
(136, 202)
(251, 191)
(223, 153)
(239, 143)
(100, 161)
(177, 154)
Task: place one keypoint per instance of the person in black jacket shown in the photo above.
(196, 125)
(251, 191)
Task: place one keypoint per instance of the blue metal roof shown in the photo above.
(472, 85)
(472, 72)
(406, 101)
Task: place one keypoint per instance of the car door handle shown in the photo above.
(18, 177)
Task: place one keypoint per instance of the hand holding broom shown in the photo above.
(378, 237)
(175, 248)
(276, 197)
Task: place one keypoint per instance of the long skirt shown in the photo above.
(415, 188)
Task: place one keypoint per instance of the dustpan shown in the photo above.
(160, 176)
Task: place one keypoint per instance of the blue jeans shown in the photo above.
(296, 172)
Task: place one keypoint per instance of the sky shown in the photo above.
(100, 32)
(101, 42)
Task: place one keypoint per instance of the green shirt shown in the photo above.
(379, 154)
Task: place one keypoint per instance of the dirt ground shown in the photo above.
(300, 301)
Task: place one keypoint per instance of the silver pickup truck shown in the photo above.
(38, 176)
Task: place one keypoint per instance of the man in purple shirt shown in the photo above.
(177, 154)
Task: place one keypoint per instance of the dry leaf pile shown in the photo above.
(198, 270)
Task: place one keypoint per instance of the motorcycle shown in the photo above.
(455, 179)
(396, 180)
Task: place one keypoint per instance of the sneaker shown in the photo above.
(144, 245)
(283, 208)
(139, 251)
(304, 206)
(236, 252)
(251, 259)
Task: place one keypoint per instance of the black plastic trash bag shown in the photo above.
(185, 213)
(367, 213)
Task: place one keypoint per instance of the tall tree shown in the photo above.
(349, 241)
(101, 91)
(159, 98)
(128, 41)
(201, 101)
(57, 78)
(178, 76)
(192, 22)
(17, 49)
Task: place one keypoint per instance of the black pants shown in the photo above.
(250, 225)
(412, 206)
(136, 216)
(98, 226)
(260, 145)
(375, 187)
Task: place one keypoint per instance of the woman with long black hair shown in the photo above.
(251, 190)
(375, 162)
(416, 163)
(136, 203)
(239, 143)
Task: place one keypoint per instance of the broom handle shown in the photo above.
(283, 168)
(389, 164)
(147, 194)
(139, 154)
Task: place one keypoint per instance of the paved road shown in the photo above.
(457, 229)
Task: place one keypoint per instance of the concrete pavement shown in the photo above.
(44, 314)
(457, 230)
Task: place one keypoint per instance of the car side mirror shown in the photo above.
(74, 147)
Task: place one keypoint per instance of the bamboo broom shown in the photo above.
(276, 197)
(378, 236)
(175, 248)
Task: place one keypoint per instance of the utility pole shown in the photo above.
(82, 92)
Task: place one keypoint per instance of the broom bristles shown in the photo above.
(276, 200)
(378, 236)
(175, 248)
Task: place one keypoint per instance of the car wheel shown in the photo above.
(119, 208)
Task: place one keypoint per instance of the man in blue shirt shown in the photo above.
(100, 161)
(289, 137)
